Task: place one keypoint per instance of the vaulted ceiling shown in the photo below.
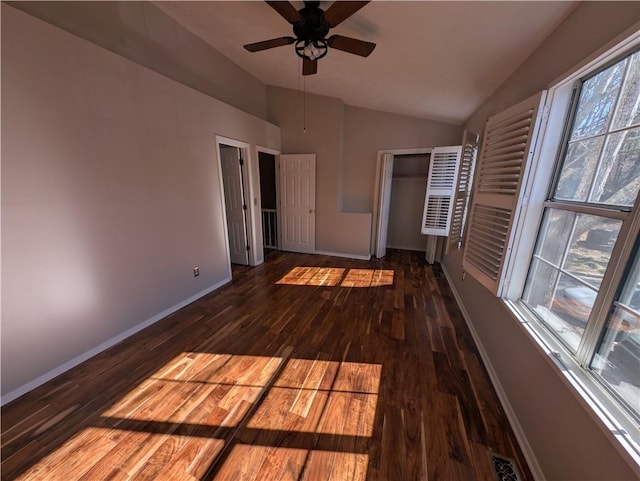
(436, 60)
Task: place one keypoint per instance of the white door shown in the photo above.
(298, 202)
(234, 204)
(384, 201)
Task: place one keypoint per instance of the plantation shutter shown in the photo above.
(503, 168)
(463, 189)
(441, 184)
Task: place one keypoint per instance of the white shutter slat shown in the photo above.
(503, 168)
(441, 185)
(463, 190)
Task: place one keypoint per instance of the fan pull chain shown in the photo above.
(298, 72)
(304, 104)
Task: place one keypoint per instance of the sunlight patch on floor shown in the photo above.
(254, 463)
(312, 276)
(325, 397)
(185, 416)
(368, 278)
(331, 277)
(224, 386)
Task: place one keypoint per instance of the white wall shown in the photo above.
(110, 196)
(566, 441)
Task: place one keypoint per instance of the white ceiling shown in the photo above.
(435, 60)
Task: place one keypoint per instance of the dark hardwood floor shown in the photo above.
(305, 368)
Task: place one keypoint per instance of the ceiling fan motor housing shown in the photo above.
(311, 31)
(311, 25)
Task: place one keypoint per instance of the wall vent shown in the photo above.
(504, 469)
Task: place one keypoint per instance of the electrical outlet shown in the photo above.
(196, 271)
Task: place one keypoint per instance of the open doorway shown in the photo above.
(249, 181)
(287, 194)
(269, 200)
(401, 186)
(408, 189)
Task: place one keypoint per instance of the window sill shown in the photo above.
(613, 420)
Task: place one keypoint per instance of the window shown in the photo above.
(581, 284)
(554, 229)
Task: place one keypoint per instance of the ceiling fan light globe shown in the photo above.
(309, 51)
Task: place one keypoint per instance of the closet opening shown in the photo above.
(402, 185)
(408, 189)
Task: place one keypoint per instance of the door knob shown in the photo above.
(311, 211)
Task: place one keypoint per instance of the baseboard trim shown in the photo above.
(407, 248)
(527, 451)
(16, 393)
(348, 256)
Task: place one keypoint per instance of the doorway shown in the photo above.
(401, 181)
(269, 200)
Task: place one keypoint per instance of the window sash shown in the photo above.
(612, 282)
(591, 335)
(569, 125)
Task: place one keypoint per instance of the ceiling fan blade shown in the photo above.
(339, 11)
(274, 42)
(286, 10)
(351, 45)
(309, 67)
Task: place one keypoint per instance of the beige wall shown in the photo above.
(368, 131)
(323, 137)
(110, 196)
(586, 29)
(346, 140)
(405, 215)
(566, 441)
(142, 32)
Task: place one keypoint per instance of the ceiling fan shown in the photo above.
(311, 25)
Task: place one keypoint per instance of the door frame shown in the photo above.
(250, 222)
(377, 222)
(276, 154)
(384, 201)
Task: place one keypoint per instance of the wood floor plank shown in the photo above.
(414, 466)
(306, 368)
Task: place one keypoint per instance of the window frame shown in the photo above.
(598, 317)
(558, 116)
